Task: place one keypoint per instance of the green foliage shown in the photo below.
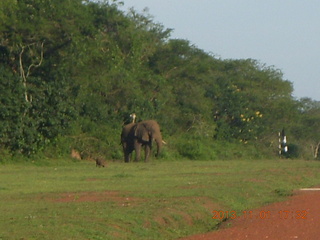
(247, 100)
(76, 69)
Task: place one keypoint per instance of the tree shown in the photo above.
(306, 127)
(74, 69)
(32, 43)
(247, 97)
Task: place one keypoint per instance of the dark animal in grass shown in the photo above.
(100, 162)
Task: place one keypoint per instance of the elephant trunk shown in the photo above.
(159, 146)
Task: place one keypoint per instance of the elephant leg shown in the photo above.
(137, 147)
(127, 157)
(126, 152)
(147, 153)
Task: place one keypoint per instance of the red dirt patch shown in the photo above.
(255, 180)
(165, 216)
(93, 179)
(300, 222)
(107, 196)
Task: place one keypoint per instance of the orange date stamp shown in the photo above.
(263, 214)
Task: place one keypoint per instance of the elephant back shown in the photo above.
(151, 125)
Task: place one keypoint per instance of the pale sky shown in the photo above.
(280, 33)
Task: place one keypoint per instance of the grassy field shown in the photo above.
(157, 200)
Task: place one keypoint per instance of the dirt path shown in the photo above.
(296, 218)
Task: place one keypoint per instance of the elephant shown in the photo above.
(127, 142)
(134, 136)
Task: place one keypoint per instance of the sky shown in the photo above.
(284, 34)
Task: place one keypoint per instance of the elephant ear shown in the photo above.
(142, 133)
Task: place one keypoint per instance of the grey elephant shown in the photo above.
(127, 136)
(134, 136)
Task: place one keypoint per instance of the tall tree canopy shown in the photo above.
(72, 70)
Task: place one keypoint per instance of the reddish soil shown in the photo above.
(296, 218)
(107, 196)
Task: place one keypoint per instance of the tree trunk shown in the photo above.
(24, 76)
(316, 150)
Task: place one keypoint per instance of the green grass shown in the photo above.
(157, 200)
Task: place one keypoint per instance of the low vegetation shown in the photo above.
(157, 200)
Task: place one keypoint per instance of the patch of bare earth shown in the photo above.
(106, 196)
(165, 216)
(296, 218)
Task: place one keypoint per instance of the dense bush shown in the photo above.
(72, 71)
